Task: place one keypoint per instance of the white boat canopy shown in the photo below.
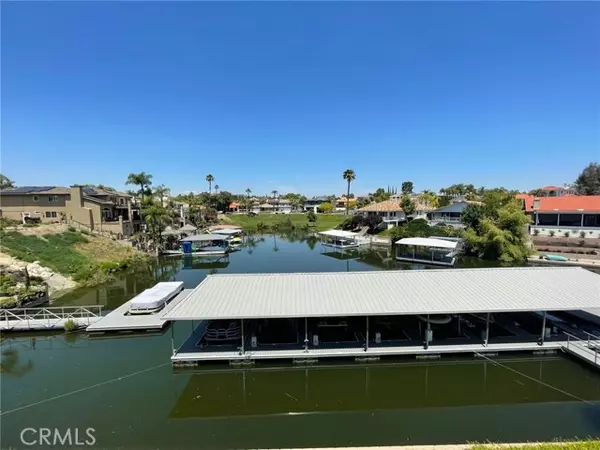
(398, 292)
(204, 238)
(188, 227)
(156, 296)
(339, 233)
(227, 231)
(427, 242)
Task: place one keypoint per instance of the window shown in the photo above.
(53, 198)
(36, 198)
(50, 214)
(121, 201)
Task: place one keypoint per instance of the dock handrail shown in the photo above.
(583, 344)
(50, 314)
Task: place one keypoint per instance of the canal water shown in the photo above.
(126, 390)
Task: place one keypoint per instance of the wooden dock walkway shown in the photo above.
(120, 320)
(586, 349)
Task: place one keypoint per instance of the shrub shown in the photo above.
(567, 234)
(311, 216)
(72, 229)
(582, 234)
(581, 242)
(261, 226)
(70, 326)
(552, 233)
(536, 232)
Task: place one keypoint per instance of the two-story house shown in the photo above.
(88, 207)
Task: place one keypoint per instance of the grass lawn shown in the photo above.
(250, 223)
(584, 445)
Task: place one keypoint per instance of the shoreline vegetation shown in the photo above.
(82, 259)
(276, 222)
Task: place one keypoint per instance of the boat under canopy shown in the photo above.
(427, 250)
(204, 244)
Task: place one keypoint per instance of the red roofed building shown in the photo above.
(569, 213)
(556, 191)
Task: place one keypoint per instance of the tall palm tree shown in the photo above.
(144, 181)
(349, 176)
(210, 180)
(216, 188)
(274, 192)
(248, 192)
(161, 191)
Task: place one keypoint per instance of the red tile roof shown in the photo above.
(571, 203)
(551, 188)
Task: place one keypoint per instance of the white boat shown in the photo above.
(155, 298)
(342, 239)
(434, 251)
(227, 231)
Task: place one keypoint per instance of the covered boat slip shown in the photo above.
(342, 239)
(377, 313)
(427, 250)
(205, 245)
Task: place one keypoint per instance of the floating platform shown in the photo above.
(186, 355)
(120, 319)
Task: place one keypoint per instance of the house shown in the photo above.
(88, 207)
(449, 215)
(341, 203)
(234, 207)
(389, 210)
(577, 215)
(556, 191)
(314, 203)
(280, 205)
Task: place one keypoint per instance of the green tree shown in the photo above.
(6, 182)
(274, 192)
(407, 187)
(311, 216)
(503, 237)
(157, 218)
(430, 198)
(210, 180)
(407, 205)
(326, 207)
(472, 215)
(349, 176)
(248, 192)
(588, 181)
(362, 202)
(216, 188)
(379, 195)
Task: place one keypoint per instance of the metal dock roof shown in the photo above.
(247, 296)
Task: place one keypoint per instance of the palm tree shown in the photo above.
(144, 181)
(349, 176)
(248, 192)
(274, 192)
(216, 188)
(210, 179)
(161, 191)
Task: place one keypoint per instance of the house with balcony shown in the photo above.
(577, 215)
(312, 204)
(557, 191)
(91, 208)
(389, 210)
(449, 215)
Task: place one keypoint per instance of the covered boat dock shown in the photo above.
(308, 316)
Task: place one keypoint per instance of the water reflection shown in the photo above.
(11, 363)
(352, 388)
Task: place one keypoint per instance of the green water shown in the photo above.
(126, 389)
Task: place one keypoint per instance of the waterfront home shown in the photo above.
(90, 208)
(312, 204)
(449, 215)
(342, 202)
(389, 210)
(573, 214)
(556, 191)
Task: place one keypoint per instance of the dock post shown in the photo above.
(306, 334)
(242, 352)
(172, 338)
(367, 341)
(487, 329)
(543, 329)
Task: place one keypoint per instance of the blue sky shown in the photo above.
(287, 95)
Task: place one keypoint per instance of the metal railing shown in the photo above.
(590, 345)
(49, 316)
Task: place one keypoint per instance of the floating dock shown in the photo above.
(120, 319)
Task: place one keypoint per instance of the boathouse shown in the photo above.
(307, 316)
